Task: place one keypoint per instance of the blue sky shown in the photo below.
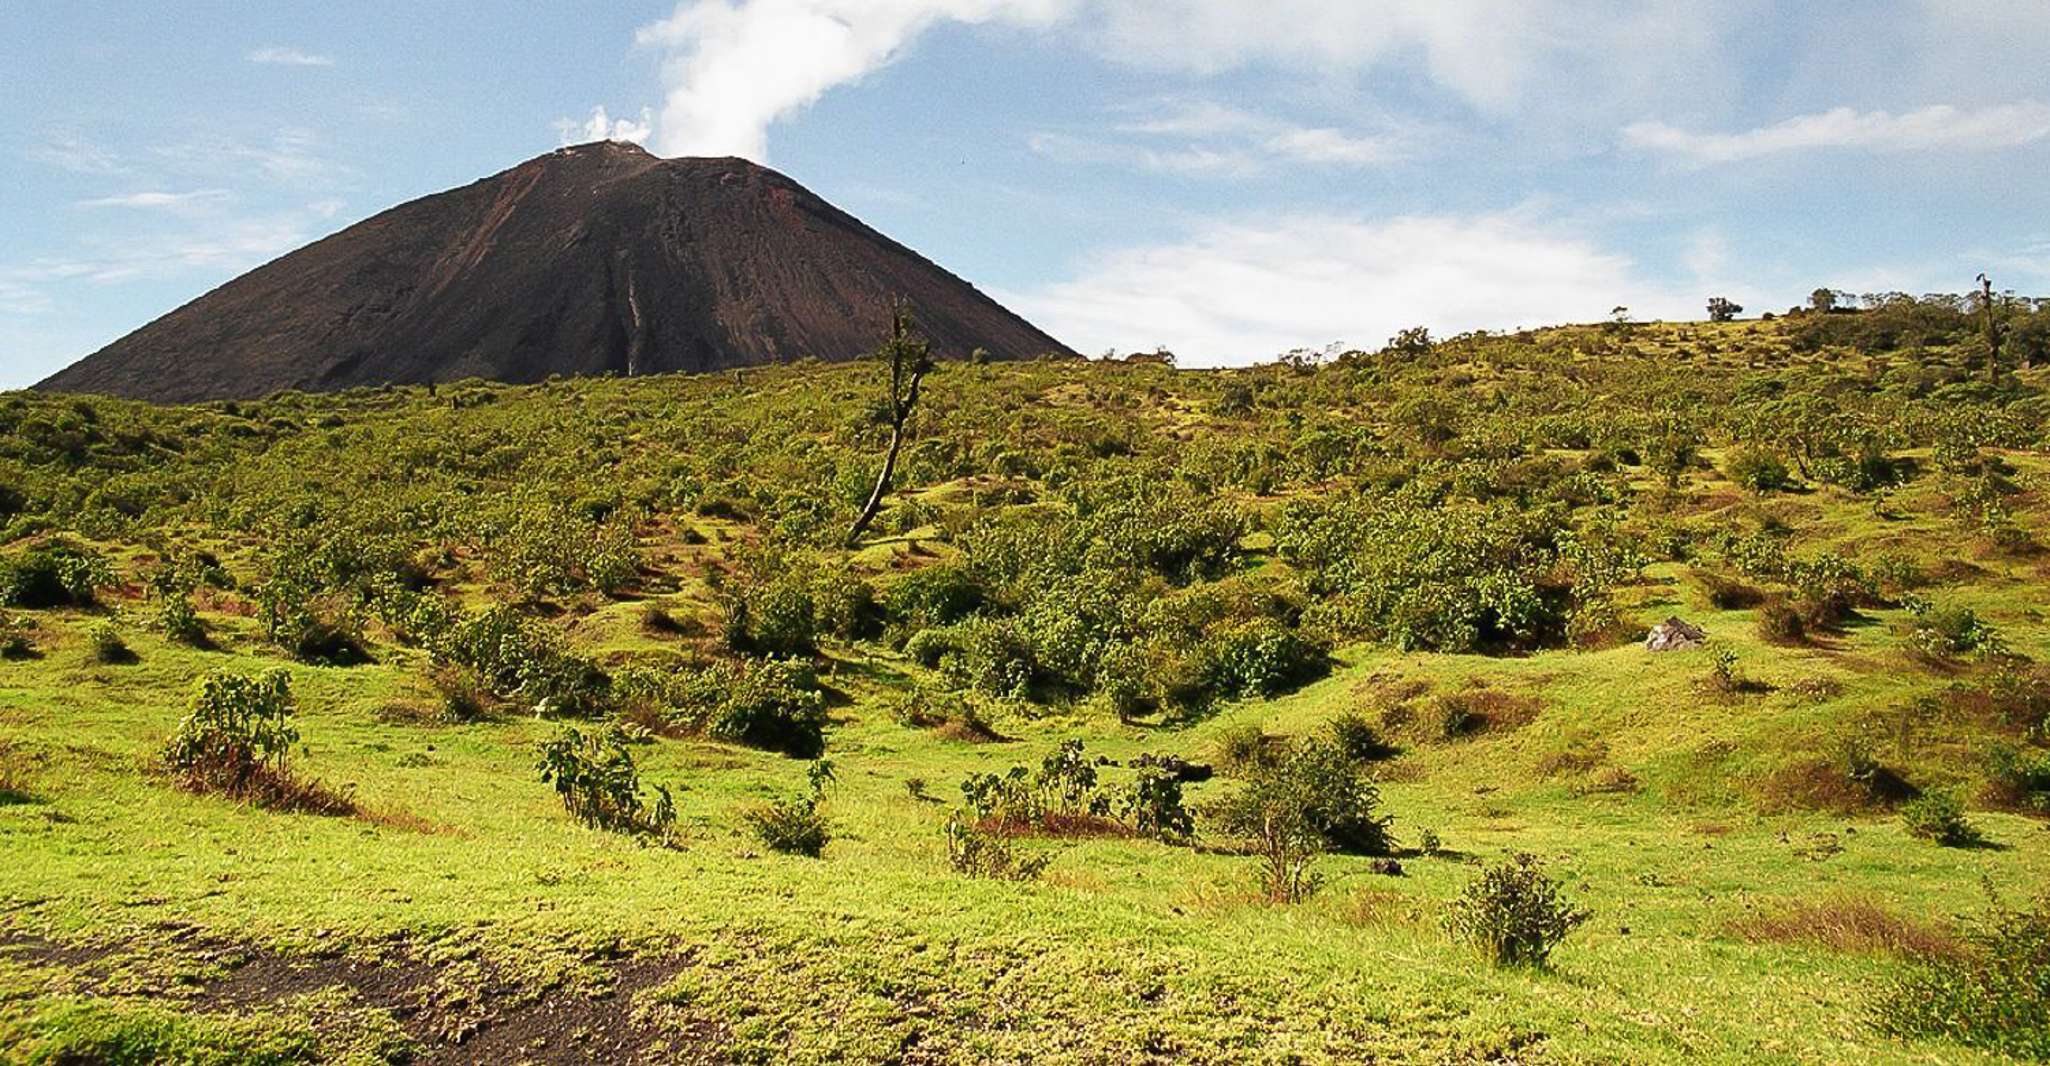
(1230, 178)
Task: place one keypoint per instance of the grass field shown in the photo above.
(461, 915)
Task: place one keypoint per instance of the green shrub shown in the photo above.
(1513, 913)
(845, 606)
(1940, 816)
(1309, 799)
(1948, 632)
(928, 647)
(1242, 749)
(1152, 805)
(177, 620)
(1780, 623)
(1357, 738)
(16, 637)
(515, 658)
(54, 573)
(1261, 659)
(987, 853)
(1343, 799)
(773, 704)
(2020, 776)
(1060, 795)
(600, 786)
(555, 550)
(770, 615)
(934, 596)
(239, 726)
(1994, 996)
(795, 826)
(1759, 470)
(236, 741)
(107, 646)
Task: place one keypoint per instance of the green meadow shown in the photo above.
(1458, 546)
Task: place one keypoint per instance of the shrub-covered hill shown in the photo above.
(1164, 715)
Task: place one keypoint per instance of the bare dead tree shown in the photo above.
(910, 358)
(1992, 328)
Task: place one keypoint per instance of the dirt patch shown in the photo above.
(455, 1010)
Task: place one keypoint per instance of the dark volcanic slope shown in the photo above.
(590, 260)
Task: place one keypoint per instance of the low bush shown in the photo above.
(769, 610)
(1994, 995)
(1244, 748)
(1779, 622)
(514, 658)
(54, 573)
(950, 714)
(1727, 593)
(107, 645)
(1940, 817)
(796, 826)
(980, 852)
(1514, 914)
(1357, 738)
(1759, 470)
(236, 741)
(595, 776)
(1311, 799)
(774, 705)
(1152, 805)
(2020, 777)
(1942, 633)
(17, 639)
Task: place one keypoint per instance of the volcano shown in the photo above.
(597, 259)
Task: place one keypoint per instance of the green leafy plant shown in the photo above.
(796, 826)
(599, 785)
(1513, 913)
(236, 741)
(54, 573)
(1995, 995)
(108, 647)
(979, 852)
(1940, 817)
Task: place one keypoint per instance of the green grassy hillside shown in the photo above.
(1453, 548)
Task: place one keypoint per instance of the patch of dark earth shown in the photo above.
(454, 1012)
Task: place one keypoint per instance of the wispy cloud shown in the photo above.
(158, 201)
(603, 127)
(75, 153)
(283, 56)
(292, 155)
(1941, 126)
(1205, 138)
(1241, 290)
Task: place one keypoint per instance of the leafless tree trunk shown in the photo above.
(1992, 328)
(910, 359)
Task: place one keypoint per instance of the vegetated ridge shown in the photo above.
(598, 259)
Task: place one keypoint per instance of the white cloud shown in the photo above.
(734, 67)
(75, 153)
(603, 127)
(1937, 127)
(1484, 50)
(279, 55)
(159, 201)
(1206, 138)
(1240, 291)
(292, 155)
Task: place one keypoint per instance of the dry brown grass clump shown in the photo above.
(1850, 924)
